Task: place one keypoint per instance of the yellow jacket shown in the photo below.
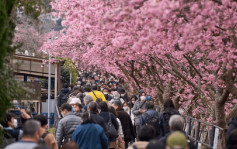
(98, 94)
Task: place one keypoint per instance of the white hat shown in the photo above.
(75, 100)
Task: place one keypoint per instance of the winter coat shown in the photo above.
(165, 117)
(63, 93)
(105, 116)
(138, 105)
(66, 126)
(98, 120)
(90, 136)
(126, 125)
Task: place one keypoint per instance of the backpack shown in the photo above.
(42, 138)
(65, 97)
(154, 121)
(112, 133)
(165, 119)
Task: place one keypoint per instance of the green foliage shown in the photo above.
(6, 35)
(10, 89)
(31, 7)
(68, 67)
(6, 29)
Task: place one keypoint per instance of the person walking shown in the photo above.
(64, 95)
(31, 136)
(12, 134)
(109, 118)
(145, 134)
(169, 110)
(90, 135)
(66, 125)
(95, 94)
(126, 122)
(138, 109)
(93, 109)
(151, 117)
(87, 99)
(176, 124)
(47, 138)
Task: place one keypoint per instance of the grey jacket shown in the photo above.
(66, 127)
(138, 105)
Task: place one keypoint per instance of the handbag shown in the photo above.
(111, 131)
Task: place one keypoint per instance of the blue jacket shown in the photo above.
(90, 136)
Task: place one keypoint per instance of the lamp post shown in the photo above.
(49, 82)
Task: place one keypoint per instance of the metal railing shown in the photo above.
(204, 134)
(57, 116)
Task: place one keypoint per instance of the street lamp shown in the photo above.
(49, 82)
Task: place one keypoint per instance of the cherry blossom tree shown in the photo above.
(184, 50)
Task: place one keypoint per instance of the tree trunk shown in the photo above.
(220, 113)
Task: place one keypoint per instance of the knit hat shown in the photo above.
(177, 139)
(75, 100)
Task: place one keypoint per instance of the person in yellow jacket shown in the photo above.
(95, 94)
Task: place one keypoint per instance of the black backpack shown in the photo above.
(65, 97)
(154, 121)
(112, 133)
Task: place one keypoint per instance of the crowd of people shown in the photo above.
(98, 113)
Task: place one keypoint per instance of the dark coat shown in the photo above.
(165, 117)
(232, 125)
(63, 92)
(127, 125)
(98, 120)
(105, 116)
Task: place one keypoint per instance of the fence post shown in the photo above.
(212, 136)
(189, 126)
(215, 141)
(197, 133)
